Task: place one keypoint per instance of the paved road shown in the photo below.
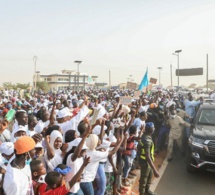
(177, 181)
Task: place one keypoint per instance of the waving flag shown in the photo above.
(144, 82)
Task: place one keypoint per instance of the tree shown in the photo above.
(193, 85)
(43, 85)
(8, 85)
(23, 85)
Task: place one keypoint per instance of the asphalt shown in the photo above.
(177, 181)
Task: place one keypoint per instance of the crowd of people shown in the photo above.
(87, 142)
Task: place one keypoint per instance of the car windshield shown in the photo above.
(207, 117)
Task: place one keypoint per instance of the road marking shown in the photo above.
(161, 172)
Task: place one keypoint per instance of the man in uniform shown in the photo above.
(146, 160)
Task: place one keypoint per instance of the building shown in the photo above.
(68, 79)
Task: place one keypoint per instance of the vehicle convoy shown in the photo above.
(201, 143)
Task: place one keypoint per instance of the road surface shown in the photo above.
(177, 181)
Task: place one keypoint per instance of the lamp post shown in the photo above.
(177, 54)
(37, 75)
(35, 69)
(159, 68)
(77, 62)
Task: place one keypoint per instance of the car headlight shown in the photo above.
(196, 141)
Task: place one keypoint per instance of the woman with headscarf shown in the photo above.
(53, 154)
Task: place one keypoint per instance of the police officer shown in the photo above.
(146, 160)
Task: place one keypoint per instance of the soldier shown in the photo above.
(147, 166)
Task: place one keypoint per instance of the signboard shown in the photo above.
(137, 94)
(189, 72)
(153, 80)
(131, 85)
(94, 117)
(125, 100)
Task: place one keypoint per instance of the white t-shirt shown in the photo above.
(92, 167)
(18, 181)
(108, 166)
(41, 125)
(5, 136)
(30, 133)
(75, 166)
(75, 142)
(106, 145)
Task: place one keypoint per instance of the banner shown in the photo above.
(125, 100)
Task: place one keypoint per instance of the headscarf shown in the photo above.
(92, 141)
(53, 136)
(52, 163)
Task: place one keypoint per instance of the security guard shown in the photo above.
(146, 160)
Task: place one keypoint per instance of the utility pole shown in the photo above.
(78, 63)
(109, 79)
(171, 73)
(207, 72)
(35, 69)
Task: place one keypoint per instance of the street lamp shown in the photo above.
(37, 73)
(35, 69)
(78, 62)
(177, 54)
(159, 68)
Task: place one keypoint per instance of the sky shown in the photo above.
(123, 36)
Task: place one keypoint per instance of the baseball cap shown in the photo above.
(19, 128)
(153, 105)
(149, 125)
(7, 148)
(38, 145)
(75, 143)
(24, 144)
(97, 129)
(62, 113)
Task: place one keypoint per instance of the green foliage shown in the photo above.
(10, 85)
(23, 85)
(43, 85)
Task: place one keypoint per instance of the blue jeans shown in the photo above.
(87, 188)
(100, 180)
(127, 166)
(79, 192)
(187, 129)
(161, 132)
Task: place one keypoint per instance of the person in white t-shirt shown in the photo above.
(17, 178)
(32, 122)
(74, 159)
(96, 157)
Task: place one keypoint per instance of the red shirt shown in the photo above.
(57, 191)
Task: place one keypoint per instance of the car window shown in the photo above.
(207, 117)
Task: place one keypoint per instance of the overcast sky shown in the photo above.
(124, 36)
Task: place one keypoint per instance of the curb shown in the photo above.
(161, 172)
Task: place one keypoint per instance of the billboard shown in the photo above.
(189, 72)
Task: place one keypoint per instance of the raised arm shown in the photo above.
(50, 151)
(79, 173)
(78, 149)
